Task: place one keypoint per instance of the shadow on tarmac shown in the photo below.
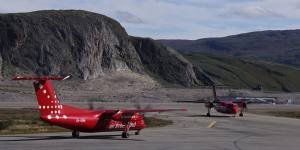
(212, 116)
(39, 138)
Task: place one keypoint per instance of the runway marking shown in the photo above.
(211, 124)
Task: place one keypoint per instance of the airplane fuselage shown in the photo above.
(94, 121)
(226, 107)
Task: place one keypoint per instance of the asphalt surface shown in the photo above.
(189, 132)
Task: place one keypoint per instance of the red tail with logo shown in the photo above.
(47, 99)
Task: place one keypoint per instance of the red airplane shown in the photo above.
(81, 120)
(225, 106)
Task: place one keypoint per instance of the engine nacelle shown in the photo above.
(242, 105)
(120, 116)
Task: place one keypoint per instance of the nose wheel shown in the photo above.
(125, 133)
(243, 107)
(75, 134)
(209, 105)
(208, 114)
(241, 115)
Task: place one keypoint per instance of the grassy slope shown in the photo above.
(239, 73)
(281, 46)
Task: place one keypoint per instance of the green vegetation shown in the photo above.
(289, 114)
(294, 113)
(156, 122)
(238, 73)
(20, 121)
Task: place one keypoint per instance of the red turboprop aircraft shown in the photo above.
(225, 106)
(81, 120)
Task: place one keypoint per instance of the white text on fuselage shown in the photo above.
(116, 125)
(80, 120)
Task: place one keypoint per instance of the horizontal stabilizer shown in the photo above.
(41, 78)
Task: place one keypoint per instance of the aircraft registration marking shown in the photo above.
(80, 120)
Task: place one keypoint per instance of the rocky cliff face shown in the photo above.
(165, 63)
(84, 44)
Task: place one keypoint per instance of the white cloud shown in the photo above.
(127, 17)
(252, 12)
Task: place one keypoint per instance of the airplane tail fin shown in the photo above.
(49, 104)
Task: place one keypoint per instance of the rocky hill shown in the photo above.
(276, 46)
(100, 54)
(61, 42)
(162, 62)
(84, 44)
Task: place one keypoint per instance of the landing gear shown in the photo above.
(243, 107)
(125, 135)
(137, 132)
(208, 114)
(75, 134)
(241, 114)
(209, 105)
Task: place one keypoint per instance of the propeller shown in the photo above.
(138, 106)
(90, 103)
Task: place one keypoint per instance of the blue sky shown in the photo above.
(180, 19)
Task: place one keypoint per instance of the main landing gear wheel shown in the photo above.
(208, 105)
(137, 132)
(125, 135)
(208, 114)
(75, 134)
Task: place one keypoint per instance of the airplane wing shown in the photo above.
(138, 110)
(128, 113)
(150, 110)
(132, 111)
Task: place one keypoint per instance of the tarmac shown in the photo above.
(190, 131)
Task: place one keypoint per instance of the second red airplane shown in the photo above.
(225, 106)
